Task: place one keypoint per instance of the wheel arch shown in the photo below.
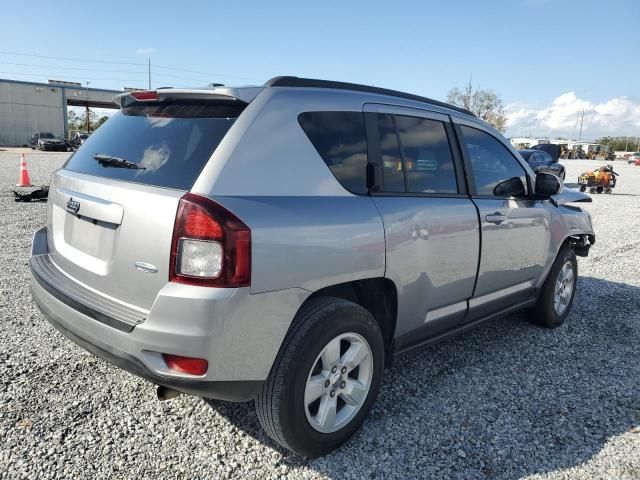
(377, 295)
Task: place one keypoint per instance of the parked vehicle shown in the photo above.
(602, 180)
(78, 139)
(47, 141)
(541, 161)
(634, 158)
(284, 243)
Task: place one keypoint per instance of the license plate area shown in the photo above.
(90, 236)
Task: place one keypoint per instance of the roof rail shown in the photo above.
(289, 81)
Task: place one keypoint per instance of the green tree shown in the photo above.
(631, 144)
(485, 104)
(93, 116)
(73, 121)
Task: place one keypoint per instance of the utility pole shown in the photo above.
(86, 112)
(149, 70)
(581, 121)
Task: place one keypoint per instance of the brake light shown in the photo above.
(192, 366)
(145, 95)
(211, 247)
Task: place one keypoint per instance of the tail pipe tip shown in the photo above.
(166, 393)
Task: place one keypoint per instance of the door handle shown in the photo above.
(496, 218)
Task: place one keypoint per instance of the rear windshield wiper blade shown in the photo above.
(111, 161)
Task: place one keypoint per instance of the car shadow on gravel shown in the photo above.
(505, 400)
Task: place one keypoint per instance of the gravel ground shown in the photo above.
(507, 400)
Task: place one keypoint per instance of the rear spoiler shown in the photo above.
(236, 95)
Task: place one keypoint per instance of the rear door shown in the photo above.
(431, 225)
(515, 231)
(112, 206)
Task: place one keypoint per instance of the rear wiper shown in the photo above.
(110, 161)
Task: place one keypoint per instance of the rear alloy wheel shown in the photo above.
(558, 290)
(325, 378)
(337, 384)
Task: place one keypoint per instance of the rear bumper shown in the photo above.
(234, 391)
(238, 333)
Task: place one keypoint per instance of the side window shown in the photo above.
(392, 167)
(427, 156)
(491, 162)
(533, 159)
(339, 138)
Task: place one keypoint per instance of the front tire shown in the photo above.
(325, 378)
(558, 290)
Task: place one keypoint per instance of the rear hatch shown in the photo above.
(113, 205)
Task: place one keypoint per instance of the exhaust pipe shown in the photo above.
(166, 393)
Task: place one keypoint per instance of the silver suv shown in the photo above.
(284, 243)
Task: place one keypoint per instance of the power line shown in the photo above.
(208, 75)
(71, 68)
(211, 75)
(40, 74)
(71, 58)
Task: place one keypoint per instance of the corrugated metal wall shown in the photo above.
(27, 108)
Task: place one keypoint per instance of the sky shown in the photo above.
(547, 59)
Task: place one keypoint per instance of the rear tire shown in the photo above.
(558, 290)
(285, 407)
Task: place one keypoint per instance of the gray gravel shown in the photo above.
(508, 400)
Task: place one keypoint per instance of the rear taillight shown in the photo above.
(211, 247)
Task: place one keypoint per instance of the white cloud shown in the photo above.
(617, 116)
(146, 51)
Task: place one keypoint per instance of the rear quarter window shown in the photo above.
(339, 138)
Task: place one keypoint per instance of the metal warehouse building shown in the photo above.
(28, 107)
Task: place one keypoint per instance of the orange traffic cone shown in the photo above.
(24, 181)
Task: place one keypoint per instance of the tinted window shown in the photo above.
(491, 162)
(427, 156)
(545, 158)
(170, 143)
(339, 138)
(392, 166)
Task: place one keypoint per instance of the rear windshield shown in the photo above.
(161, 144)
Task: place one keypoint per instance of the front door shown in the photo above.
(515, 232)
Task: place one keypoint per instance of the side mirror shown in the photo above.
(512, 187)
(547, 185)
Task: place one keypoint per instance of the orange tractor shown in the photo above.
(598, 181)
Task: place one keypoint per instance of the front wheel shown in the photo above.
(558, 290)
(325, 378)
